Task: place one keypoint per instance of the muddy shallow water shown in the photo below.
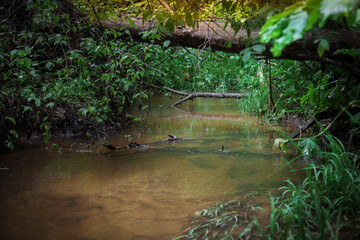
(90, 192)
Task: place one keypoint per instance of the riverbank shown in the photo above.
(60, 75)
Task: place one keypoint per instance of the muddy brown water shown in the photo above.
(89, 192)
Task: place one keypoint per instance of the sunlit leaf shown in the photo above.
(189, 19)
(334, 9)
(279, 145)
(310, 147)
(166, 43)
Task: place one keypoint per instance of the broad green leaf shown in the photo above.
(170, 25)
(353, 18)
(320, 50)
(132, 23)
(13, 52)
(228, 44)
(50, 104)
(26, 108)
(9, 145)
(246, 54)
(189, 19)
(310, 147)
(280, 145)
(291, 24)
(312, 7)
(37, 102)
(11, 119)
(295, 27)
(147, 14)
(166, 43)
(28, 50)
(334, 9)
(48, 65)
(323, 45)
(14, 133)
(274, 19)
(258, 48)
(49, 95)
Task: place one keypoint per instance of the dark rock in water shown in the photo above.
(223, 149)
(109, 146)
(173, 138)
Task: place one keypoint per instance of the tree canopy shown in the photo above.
(325, 30)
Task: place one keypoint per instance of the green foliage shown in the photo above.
(195, 70)
(98, 10)
(56, 67)
(310, 148)
(326, 201)
(225, 220)
(279, 145)
(291, 24)
(257, 103)
(172, 13)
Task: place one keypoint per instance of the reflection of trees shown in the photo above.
(207, 116)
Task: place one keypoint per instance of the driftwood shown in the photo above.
(329, 113)
(143, 146)
(191, 96)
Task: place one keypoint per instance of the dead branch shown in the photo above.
(329, 113)
(191, 96)
(171, 138)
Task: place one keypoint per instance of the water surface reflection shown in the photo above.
(91, 192)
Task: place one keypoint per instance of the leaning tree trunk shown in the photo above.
(213, 34)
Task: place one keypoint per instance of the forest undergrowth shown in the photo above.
(61, 75)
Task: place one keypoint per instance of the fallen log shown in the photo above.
(143, 146)
(191, 96)
(215, 34)
(334, 114)
(326, 114)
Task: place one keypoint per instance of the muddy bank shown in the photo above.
(26, 125)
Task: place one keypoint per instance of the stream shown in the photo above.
(89, 192)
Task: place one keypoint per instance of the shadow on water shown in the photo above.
(95, 193)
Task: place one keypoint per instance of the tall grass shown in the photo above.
(327, 200)
(257, 102)
(197, 70)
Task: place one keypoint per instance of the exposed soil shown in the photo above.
(59, 121)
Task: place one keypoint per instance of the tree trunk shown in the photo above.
(212, 34)
(271, 100)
